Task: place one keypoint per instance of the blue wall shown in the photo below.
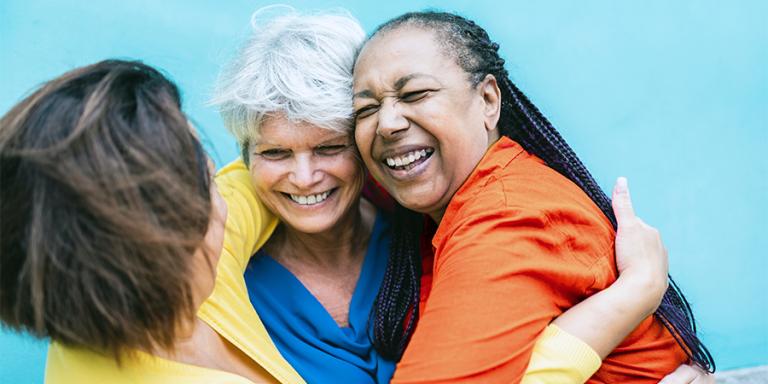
(671, 94)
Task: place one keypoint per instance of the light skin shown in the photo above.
(311, 178)
(409, 96)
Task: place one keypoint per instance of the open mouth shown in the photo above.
(312, 199)
(408, 160)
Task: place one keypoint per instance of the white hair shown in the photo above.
(295, 65)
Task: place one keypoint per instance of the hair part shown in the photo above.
(104, 195)
(473, 50)
(297, 65)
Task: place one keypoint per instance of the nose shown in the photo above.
(305, 173)
(391, 120)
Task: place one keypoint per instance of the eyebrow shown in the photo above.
(336, 137)
(399, 84)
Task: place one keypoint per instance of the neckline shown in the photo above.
(362, 278)
(484, 168)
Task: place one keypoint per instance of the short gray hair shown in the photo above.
(295, 65)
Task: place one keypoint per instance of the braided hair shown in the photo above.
(396, 309)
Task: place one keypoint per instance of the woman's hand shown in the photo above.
(688, 374)
(640, 254)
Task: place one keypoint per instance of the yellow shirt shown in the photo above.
(78, 366)
(228, 310)
(557, 357)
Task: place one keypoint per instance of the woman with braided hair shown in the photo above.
(523, 230)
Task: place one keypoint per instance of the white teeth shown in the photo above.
(310, 199)
(406, 159)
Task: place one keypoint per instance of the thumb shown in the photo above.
(622, 203)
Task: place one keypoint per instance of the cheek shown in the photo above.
(364, 139)
(348, 168)
(265, 176)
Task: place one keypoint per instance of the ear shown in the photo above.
(491, 95)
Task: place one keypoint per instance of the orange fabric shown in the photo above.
(518, 245)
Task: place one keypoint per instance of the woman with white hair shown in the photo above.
(287, 100)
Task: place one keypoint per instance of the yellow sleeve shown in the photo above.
(249, 222)
(559, 357)
(228, 309)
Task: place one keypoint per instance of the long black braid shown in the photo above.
(398, 298)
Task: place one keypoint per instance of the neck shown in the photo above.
(437, 216)
(186, 349)
(335, 246)
(493, 136)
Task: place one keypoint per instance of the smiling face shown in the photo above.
(421, 126)
(309, 176)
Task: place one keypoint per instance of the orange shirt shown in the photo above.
(518, 245)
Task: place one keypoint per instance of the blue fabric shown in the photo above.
(306, 334)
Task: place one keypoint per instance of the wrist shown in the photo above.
(643, 291)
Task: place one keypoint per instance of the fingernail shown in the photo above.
(621, 184)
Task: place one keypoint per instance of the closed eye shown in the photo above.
(410, 97)
(274, 154)
(330, 150)
(366, 111)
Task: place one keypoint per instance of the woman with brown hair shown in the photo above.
(111, 231)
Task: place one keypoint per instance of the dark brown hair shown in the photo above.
(104, 198)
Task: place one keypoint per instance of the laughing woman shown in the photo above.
(524, 232)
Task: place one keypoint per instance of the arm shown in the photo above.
(687, 374)
(563, 352)
(603, 320)
(572, 348)
(498, 282)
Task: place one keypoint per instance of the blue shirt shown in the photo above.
(306, 334)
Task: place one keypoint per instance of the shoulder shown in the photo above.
(526, 187)
(249, 222)
(234, 176)
(71, 365)
(234, 184)
(525, 200)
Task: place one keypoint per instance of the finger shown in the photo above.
(622, 203)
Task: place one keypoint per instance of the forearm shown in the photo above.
(606, 318)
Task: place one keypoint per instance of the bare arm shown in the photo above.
(687, 374)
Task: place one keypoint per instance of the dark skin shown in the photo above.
(409, 95)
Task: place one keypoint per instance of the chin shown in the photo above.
(311, 226)
(419, 202)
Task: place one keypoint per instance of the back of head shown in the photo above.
(104, 198)
(297, 65)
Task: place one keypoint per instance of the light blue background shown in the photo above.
(672, 94)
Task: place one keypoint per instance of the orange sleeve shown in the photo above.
(499, 280)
